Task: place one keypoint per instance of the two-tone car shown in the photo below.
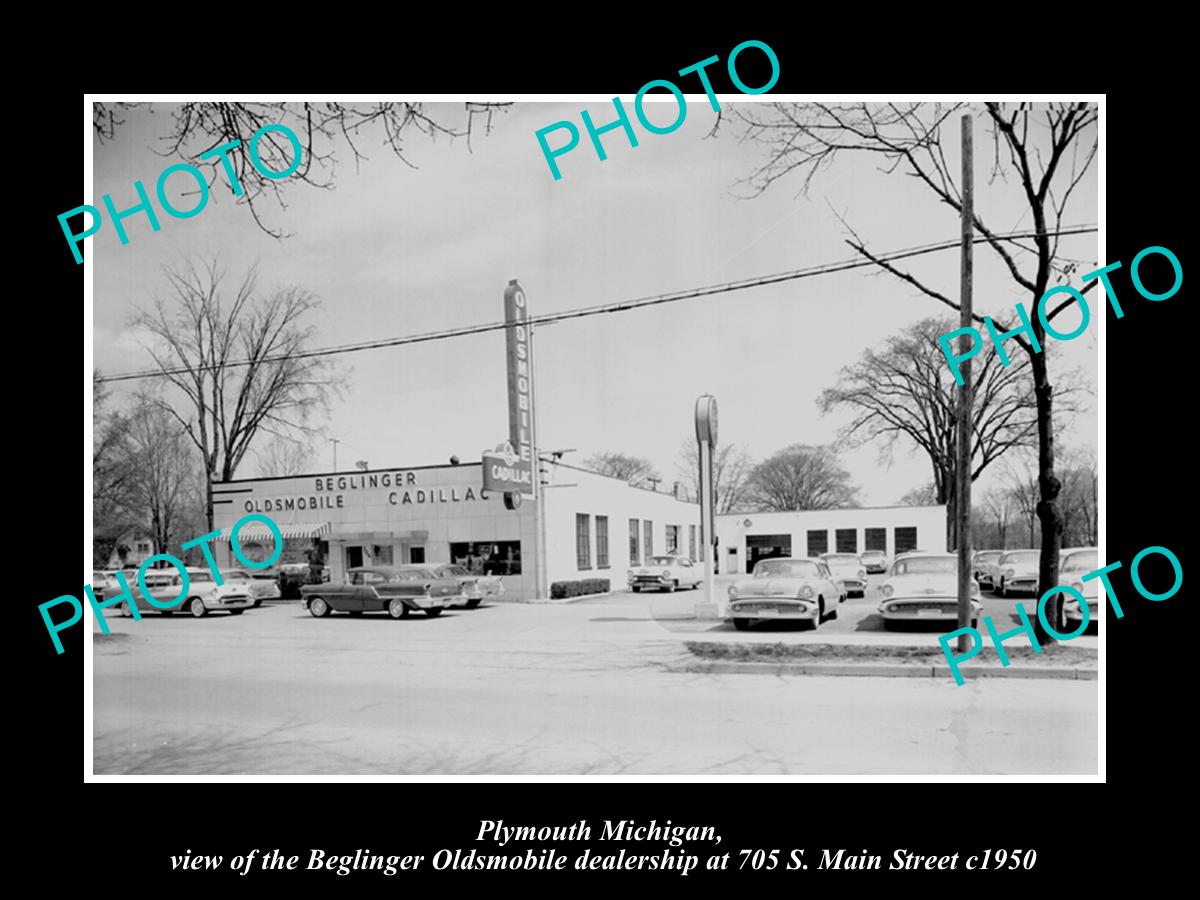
(848, 571)
(665, 573)
(1016, 570)
(396, 591)
(923, 587)
(475, 588)
(1072, 566)
(984, 565)
(785, 589)
(203, 594)
(874, 561)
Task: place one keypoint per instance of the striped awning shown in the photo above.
(258, 531)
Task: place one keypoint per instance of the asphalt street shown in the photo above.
(528, 689)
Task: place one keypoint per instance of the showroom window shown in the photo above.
(648, 537)
(906, 539)
(691, 541)
(672, 538)
(634, 558)
(583, 540)
(818, 542)
(847, 540)
(601, 542)
(485, 557)
(877, 539)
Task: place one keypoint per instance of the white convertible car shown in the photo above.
(923, 587)
(665, 573)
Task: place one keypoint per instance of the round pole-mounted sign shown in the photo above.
(706, 419)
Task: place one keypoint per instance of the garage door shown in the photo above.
(766, 546)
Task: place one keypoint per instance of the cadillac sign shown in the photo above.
(503, 471)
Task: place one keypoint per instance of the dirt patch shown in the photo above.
(1055, 655)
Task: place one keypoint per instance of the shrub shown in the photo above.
(561, 590)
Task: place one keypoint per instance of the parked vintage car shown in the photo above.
(383, 588)
(847, 570)
(264, 585)
(475, 588)
(874, 561)
(1017, 570)
(1072, 566)
(665, 573)
(293, 576)
(801, 589)
(923, 587)
(984, 565)
(204, 595)
(104, 583)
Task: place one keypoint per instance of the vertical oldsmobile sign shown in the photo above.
(520, 390)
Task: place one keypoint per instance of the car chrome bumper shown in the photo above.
(427, 602)
(853, 584)
(1073, 613)
(767, 608)
(240, 602)
(1021, 584)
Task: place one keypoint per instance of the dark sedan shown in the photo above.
(383, 589)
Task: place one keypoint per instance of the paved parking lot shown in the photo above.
(579, 688)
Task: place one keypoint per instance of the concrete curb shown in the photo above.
(879, 670)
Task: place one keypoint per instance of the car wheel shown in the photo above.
(197, 608)
(236, 612)
(124, 609)
(258, 603)
(820, 613)
(636, 589)
(471, 604)
(741, 624)
(833, 613)
(433, 612)
(318, 608)
(670, 588)
(396, 608)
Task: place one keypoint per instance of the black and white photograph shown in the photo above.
(699, 433)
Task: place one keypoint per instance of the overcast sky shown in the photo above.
(394, 250)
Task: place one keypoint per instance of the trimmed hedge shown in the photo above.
(560, 590)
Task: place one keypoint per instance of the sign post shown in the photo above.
(706, 437)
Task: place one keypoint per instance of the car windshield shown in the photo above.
(1088, 561)
(454, 570)
(989, 557)
(1025, 556)
(926, 565)
(412, 575)
(842, 558)
(237, 575)
(874, 554)
(200, 576)
(785, 569)
(661, 561)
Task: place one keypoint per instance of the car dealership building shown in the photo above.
(582, 525)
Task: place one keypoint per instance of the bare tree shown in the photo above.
(1079, 498)
(905, 390)
(1022, 486)
(1046, 148)
(637, 471)
(997, 505)
(801, 477)
(731, 469)
(284, 456)
(197, 128)
(235, 360)
(925, 495)
(112, 473)
(165, 476)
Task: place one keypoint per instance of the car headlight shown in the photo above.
(805, 592)
(733, 592)
(888, 590)
(862, 573)
(1078, 585)
(666, 573)
(1008, 573)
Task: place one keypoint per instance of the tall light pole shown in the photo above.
(962, 512)
(706, 437)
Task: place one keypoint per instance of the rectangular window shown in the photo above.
(672, 538)
(847, 540)
(485, 558)
(583, 540)
(877, 539)
(906, 539)
(648, 539)
(601, 542)
(635, 558)
(691, 541)
(818, 542)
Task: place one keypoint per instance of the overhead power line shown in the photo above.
(621, 306)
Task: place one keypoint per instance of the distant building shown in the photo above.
(745, 538)
(132, 548)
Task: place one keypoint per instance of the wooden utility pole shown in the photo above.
(962, 509)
